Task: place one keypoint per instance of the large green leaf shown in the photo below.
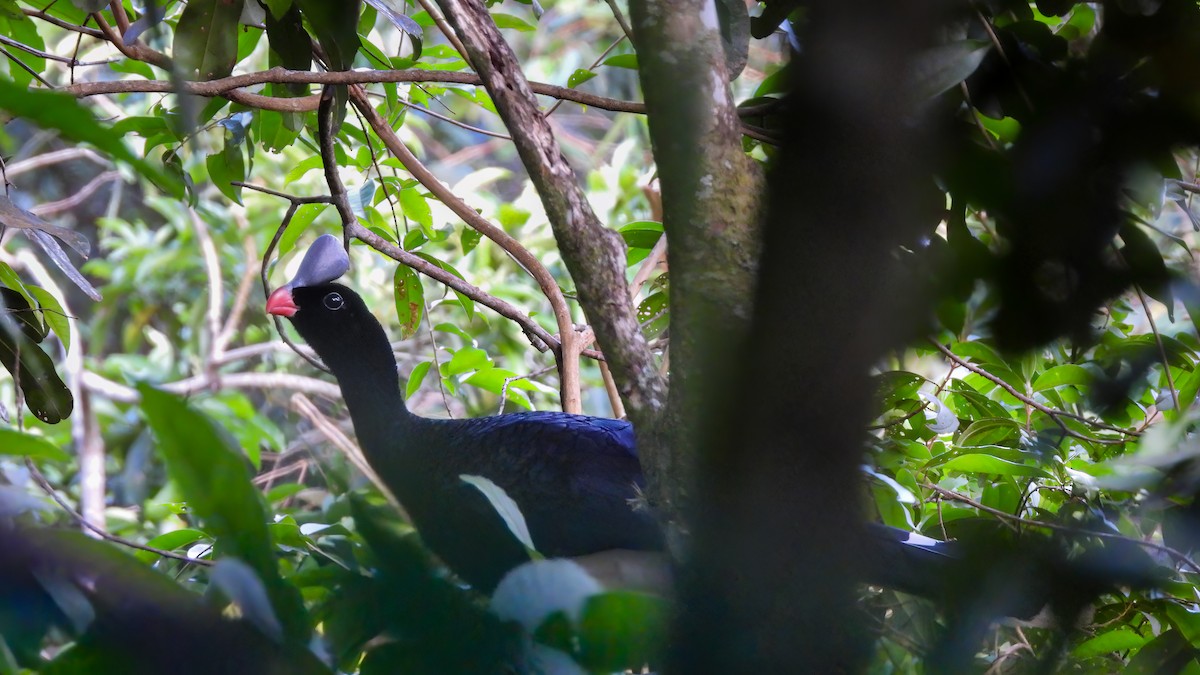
(128, 618)
(1120, 639)
(943, 67)
(410, 300)
(978, 462)
(206, 39)
(214, 479)
(13, 442)
(290, 47)
(1058, 376)
(336, 26)
(46, 396)
(622, 630)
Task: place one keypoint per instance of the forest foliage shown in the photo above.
(163, 169)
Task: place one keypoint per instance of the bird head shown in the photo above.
(324, 262)
(328, 315)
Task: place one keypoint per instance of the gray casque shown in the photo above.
(325, 261)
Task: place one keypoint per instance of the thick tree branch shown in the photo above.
(777, 536)
(594, 254)
(710, 196)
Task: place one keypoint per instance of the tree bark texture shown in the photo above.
(593, 253)
(770, 586)
(711, 193)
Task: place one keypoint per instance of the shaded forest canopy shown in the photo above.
(838, 263)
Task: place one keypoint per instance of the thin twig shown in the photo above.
(46, 487)
(55, 157)
(294, 203)
(621, 20)
(596, 63)
(198, 383)
(566, 353)
(440, 22)
(509, 380)
(451, 120)
(987, 26)
(216, 294)
(1162, 350)
(342, 442)
(424, 267)
(24, 66)
(242, 296)
(1053, 414)
(955, 496)
(54, 20)
(51, 57)
(78, 197)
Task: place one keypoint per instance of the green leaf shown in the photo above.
(170, 541)
(990, 431)
(467, 304)
(206, 39)
(988, 464)
(579, 77)
(1061, 375)
(25, 318)
(410, 300)
(654, 314)
(336, 26)
(622, 630)
(641, 233)
(299, 224)
(53, 314)
(302, 167)
(226, 167)
(278, 7)
(465, 360)
(416, 208)
(51, 110)
(469, 239)
(493, 380)
(21, 444)
(622, 61)
(416, 377)
(290, 45)
(1118, 640)
(10, 279)
(214, 479)
(46, 396)
(944, 66)
(510, 21)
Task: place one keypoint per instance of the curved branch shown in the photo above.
(569, 368)
(134, 51)
(594, 254)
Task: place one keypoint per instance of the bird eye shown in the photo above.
(334, 301)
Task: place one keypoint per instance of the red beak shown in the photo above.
(280, 303)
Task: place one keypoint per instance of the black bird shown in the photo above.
(575, 478)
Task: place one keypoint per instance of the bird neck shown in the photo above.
(370, 386)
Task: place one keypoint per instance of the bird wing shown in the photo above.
(576, 479)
